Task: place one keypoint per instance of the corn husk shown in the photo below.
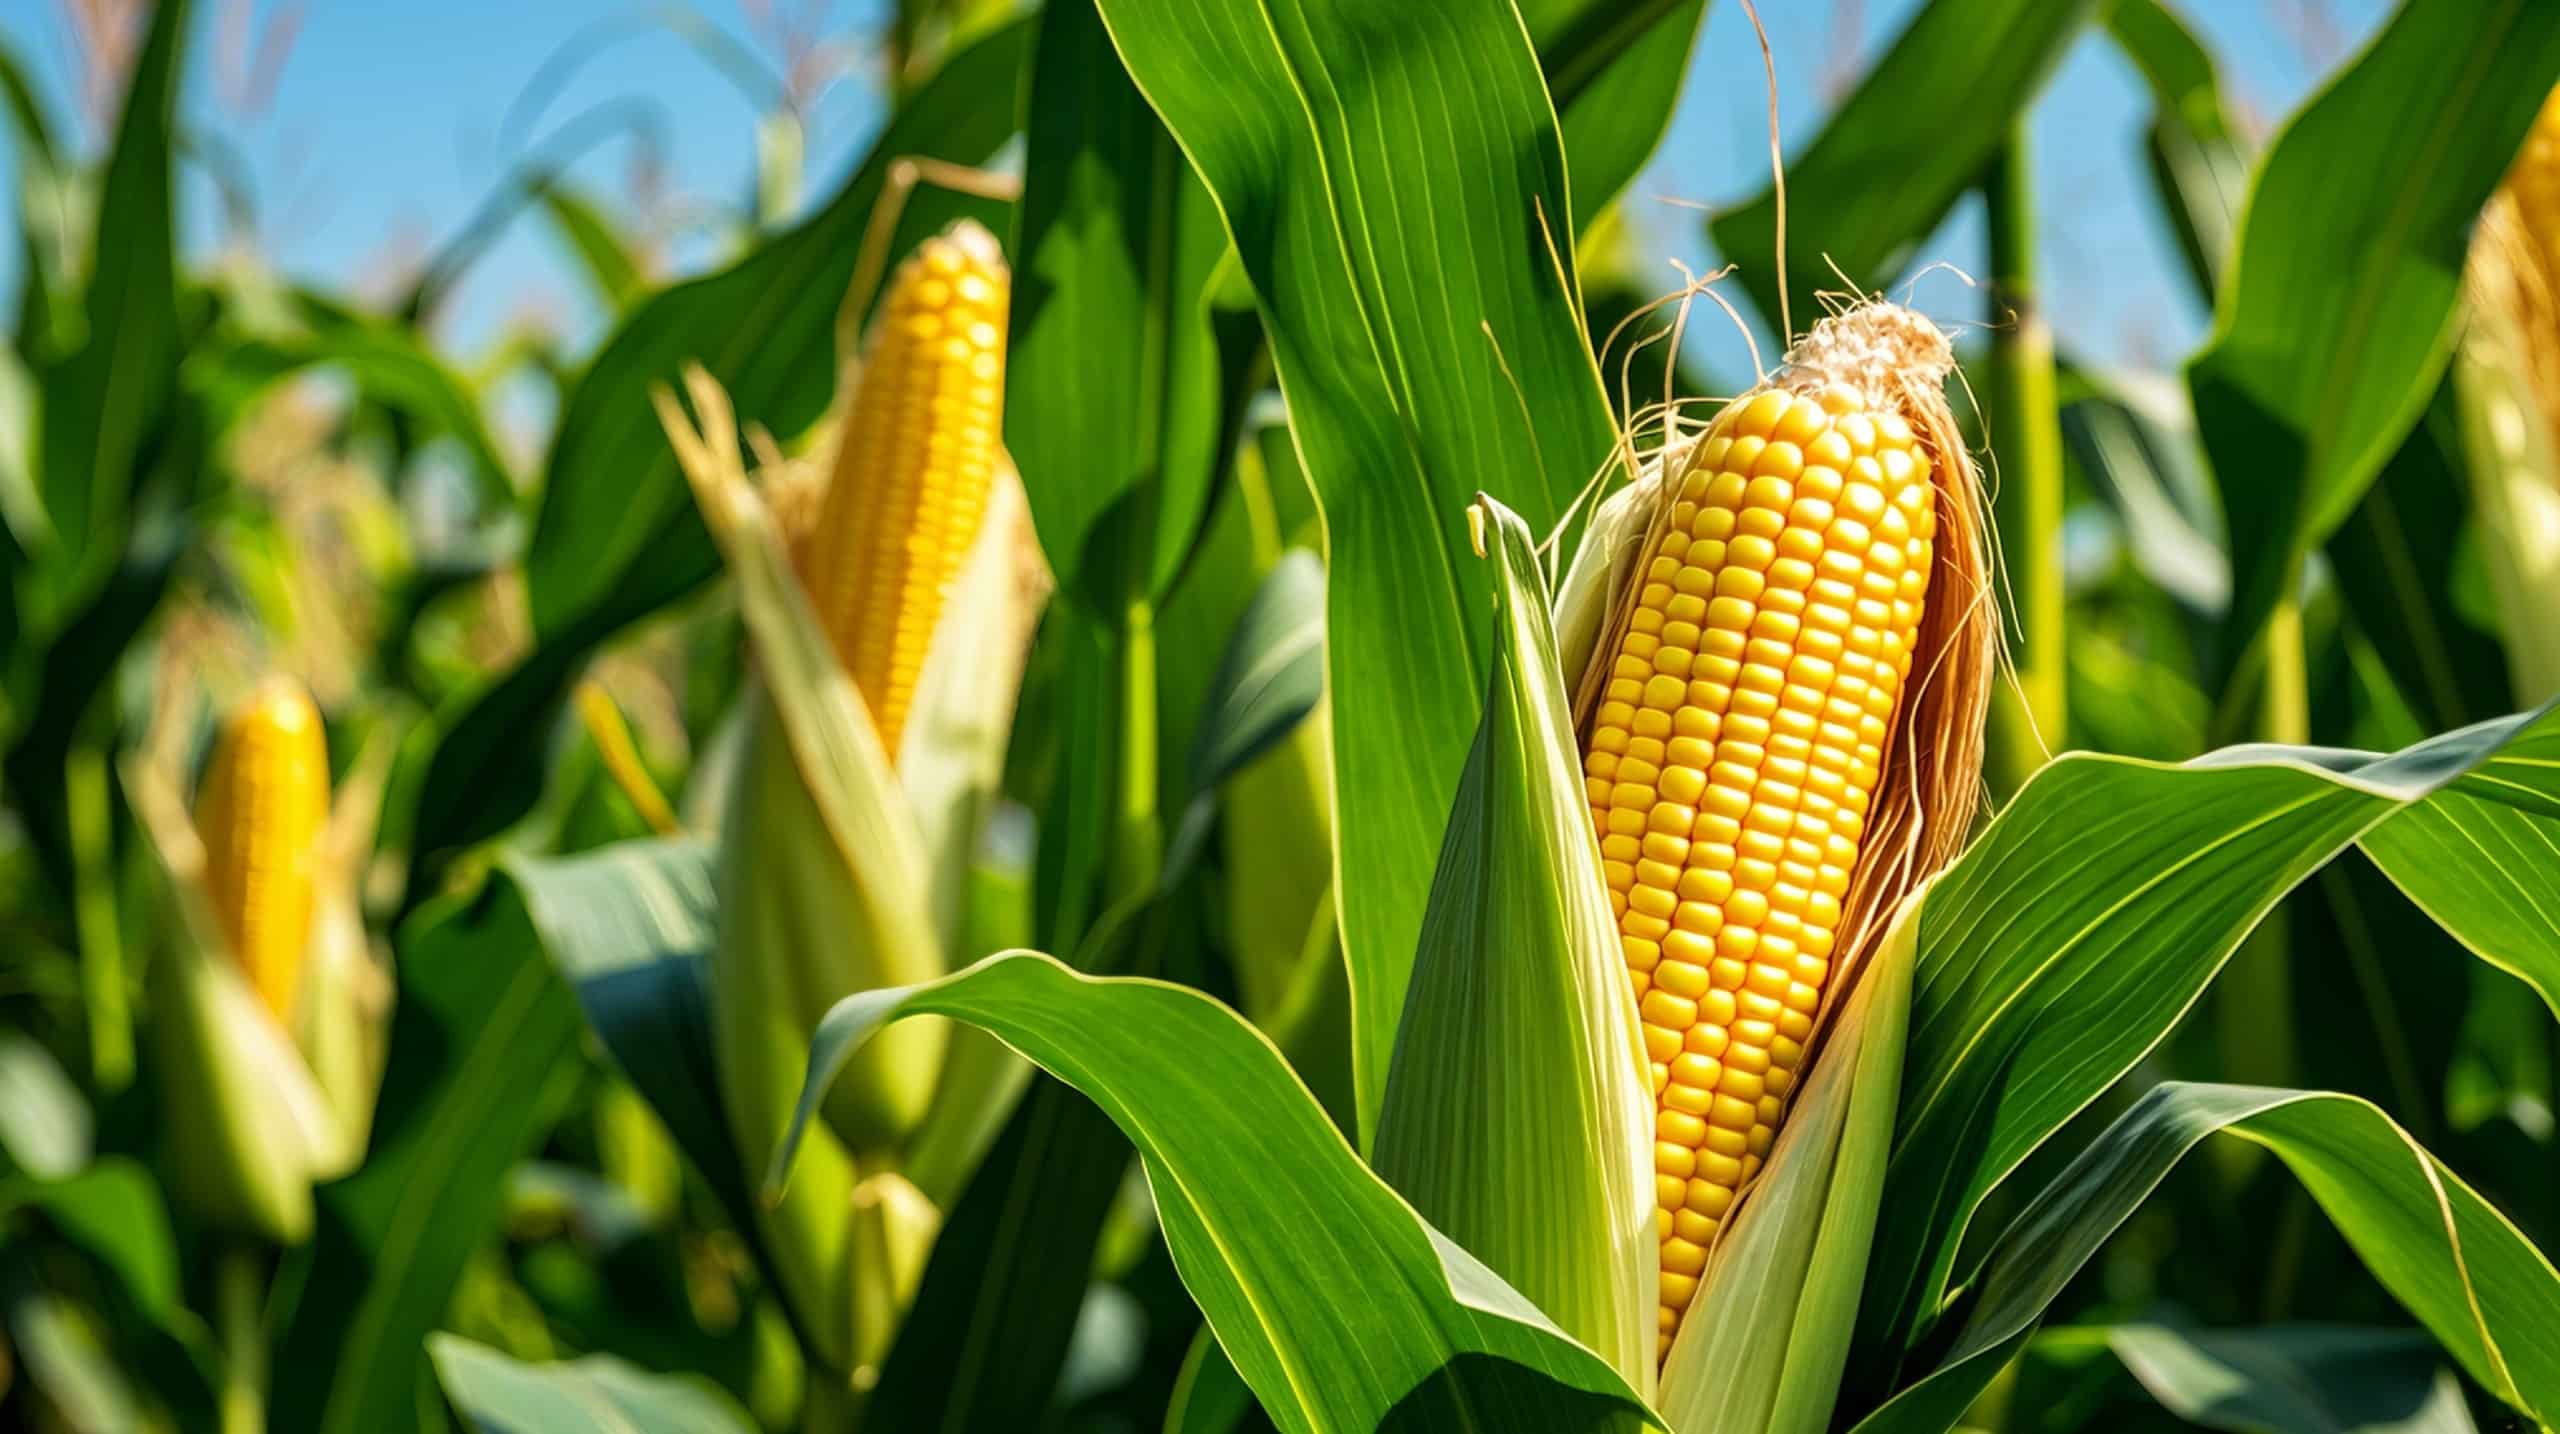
(839, 872)
(894, 1226)
(1517, 1116)
(258, 1110)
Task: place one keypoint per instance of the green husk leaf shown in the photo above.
(1610, 549)
(1518, 1112)
(343, 1023)
(1763, 1346)
(823, 893)
(249, 1131)
(1341, 1307)
(894, 1226)
(825, 872)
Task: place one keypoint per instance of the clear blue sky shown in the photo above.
(389, 122)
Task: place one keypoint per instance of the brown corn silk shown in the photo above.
(1782, 730)
(919, 447)
(262, 815)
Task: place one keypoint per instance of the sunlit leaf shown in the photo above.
(1409, 242)
(500, 1395)
(2486, 1294)
(2339, 313)
(1340, 1306)
(1519, 1011)
(2050, 962)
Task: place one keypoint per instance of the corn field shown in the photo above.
(1189, 750)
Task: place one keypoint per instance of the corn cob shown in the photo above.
(918, 453)
(1743, 725)
(264, 807)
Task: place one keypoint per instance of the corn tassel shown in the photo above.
(262, 815)
(1813, 557)
(918, 453)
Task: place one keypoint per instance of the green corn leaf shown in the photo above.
(104, 403)
(1208, 1397)
(2199, 163)
(2396, 560)
(1614, 69)
(1423, 359)
(2478, 857)
(605, 256)
(1518, 1112)
(2049, 966)
(114, 1211)
(2339, 313)
(1112, 392)
(989, 1330)
(2482, 1290)
(483, 1057)
(1339, 1305)
(2296, 1379)
(388, 363)
(46, 1128)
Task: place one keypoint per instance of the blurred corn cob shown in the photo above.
(914, 464)
(271, 1004)
(262, 815)
(2508, 376)
(1761, 782)
(834, 867)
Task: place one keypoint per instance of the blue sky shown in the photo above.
(390, 121)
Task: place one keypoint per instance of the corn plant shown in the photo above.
(1188, 752)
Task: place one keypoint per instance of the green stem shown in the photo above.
(240, 1321)
(2024, 422)
(2253, 1003)
(2287, 714)
(830, 1406)
(1137, 835)
(90, 816)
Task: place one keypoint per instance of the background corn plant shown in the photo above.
(1295, 284)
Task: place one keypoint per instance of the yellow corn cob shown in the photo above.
(919, 450)
(262, 813)
(1735, 755)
